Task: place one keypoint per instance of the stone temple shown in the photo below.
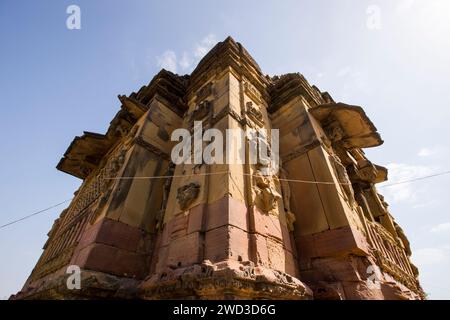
(318, 229)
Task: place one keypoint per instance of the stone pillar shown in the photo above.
(225, 233)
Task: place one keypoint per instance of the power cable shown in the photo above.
(222, 172)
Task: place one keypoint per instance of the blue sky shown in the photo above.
(56, 82)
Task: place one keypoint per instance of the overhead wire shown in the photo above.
(222, 172)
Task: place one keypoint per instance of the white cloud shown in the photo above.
(442, 227)
(204, 46)
(401, 172)
(425, 152)
(432, 151)
(168, 61)
(185, 61)
(429, 256)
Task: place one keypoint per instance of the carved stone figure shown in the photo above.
(266, 191)
(264, 160)
(335, 132)
(285, 189)
(286, 192)
(166, 190)
(344, 180)
(187, 194)
(290, 220)
(117, 162)
(121, 128)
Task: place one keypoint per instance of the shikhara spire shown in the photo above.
(227, 230)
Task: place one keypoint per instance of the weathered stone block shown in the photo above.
(141, 226)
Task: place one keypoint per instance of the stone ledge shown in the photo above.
(224, 280)
(94, 285)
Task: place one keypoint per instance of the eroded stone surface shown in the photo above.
(239, 235)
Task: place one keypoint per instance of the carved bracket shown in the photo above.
(187, 194)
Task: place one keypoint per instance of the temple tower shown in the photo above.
(142, 226)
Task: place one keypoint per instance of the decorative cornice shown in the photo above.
(286, 87)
